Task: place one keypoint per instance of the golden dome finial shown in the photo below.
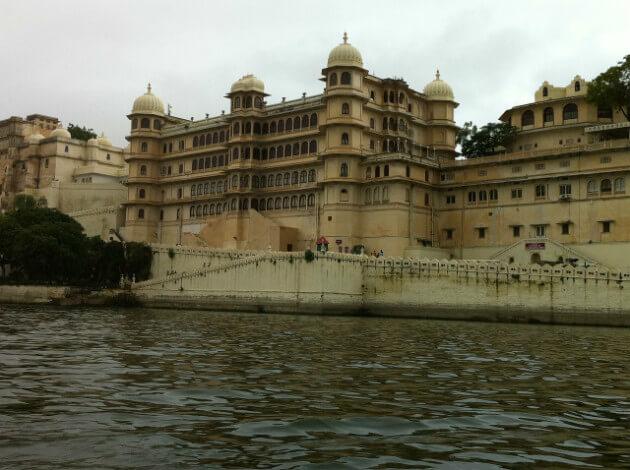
(437, 74)
(149, 87)
(345, 37)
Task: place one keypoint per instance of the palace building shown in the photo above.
(371, 164)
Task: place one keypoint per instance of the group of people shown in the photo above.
(378, 254)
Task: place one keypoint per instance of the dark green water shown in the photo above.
(163, 389)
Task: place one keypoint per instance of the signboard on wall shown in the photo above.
(535, 246)
(338, 242)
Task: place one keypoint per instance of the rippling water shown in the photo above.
(168, 389)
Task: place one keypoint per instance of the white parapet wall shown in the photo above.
(340, 283)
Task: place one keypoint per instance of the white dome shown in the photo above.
(60, 132)
(345, 54)
(148, 103)
(102, 140)
(248, 83)
(438, 89)
(34, 138)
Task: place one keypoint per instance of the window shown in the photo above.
(605, 186)
(181, 168)
(605, 160)
(377, 172)
(591, 187)
(372, 123)
(565, 190)
(346, 78)
(143, 169)
(427, 199)
(516, 231)
(548, 115)
(237, 102)
(311, 176)
(620, 185)
(564, 228)
(570, 111)
(304, 148)
(345, 108)
(144, 147)
(577, 86)
(472, 197)
(295, 177)
(450, 199)
(145, 123)
(345, 139)
(604, 112)
(372, 144)
(313, 120)
(195, 141)
(407, 171)
(134, 123)
(448, 233)
(194, 165)
(248, 102)
(527, 119)
(140, 213)
(517, 193)
(545, 91)
(141, 193)
(541, 191)
(539, 166)
(494, 194)
(386, 170)
(539, 230)
(343, 170)
(286, 178)
(368, 196)
(296, 123)
(303, 176)
(333, 79)
(483, 195)
(481, 231)
(606, 226)
(285, 202)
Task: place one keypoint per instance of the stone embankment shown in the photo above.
(347, 284)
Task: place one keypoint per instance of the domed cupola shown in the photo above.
(439, 90)
(148, 103)
(60, 132)
(103, 140)
(345, 55)
(248, 83)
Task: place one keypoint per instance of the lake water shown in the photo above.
(159, 389)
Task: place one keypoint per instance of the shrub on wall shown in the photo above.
(309, 256)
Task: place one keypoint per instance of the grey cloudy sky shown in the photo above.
(86, 61)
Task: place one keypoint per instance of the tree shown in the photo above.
(487, 140)
(81, 133)
(611, 89)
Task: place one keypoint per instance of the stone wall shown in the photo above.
(99, 221)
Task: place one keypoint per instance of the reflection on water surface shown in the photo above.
(167, 389)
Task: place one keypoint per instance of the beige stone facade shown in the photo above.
(372, 162)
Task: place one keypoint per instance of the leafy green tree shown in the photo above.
(24, 201)
(611, 89)
(81, 133)
(487, 140)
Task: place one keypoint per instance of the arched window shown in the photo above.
(221, 162)
(206, 187)
(345, 108)
(570, 111)
(248, 102)
(313, 120)
(205, 209)
(333, 79)
(141, 193)
(548, 115)
(145, 123)
(407, 171)
(591, 187)
(527, 119)
(262, 205)
(346, 78)
(199, 210)
(143, 170)
(245, 204)
(199, 189)
(392, 124)
(211, 210)
(280, 151)
(289, 124)
(277, 204)
(305, 121)
(237, 128)
(427, 200)
(541, 190)
(193, 190)
(144, 147)
(304, 148)
(285, 202)
(494, 194)
(386, 170)
(246, 153)
(311, 200)
(371, 123)
(235, 181)
(286, 179)
(295, 177)
(401, 98)
(258, 102)
(257, 128)
(384, 123)
(426, 175)
(215, 138)
(312, 146)
(280, 126)
(472, 196)
(345, 139)
(140, 213)
(237, 102)
(221, 136)
(311, 176)
(235, 153)
(296, 123)
(605, 186)
(392, 97)
(272, 127)
(134, 123)
(343, 171)
(377, 172)
(296, 148)
(620, 185)
(302, 203)
(191, 213)
(577, 86)
(483, 195)
(279, 179)
(368, 173)
(272, 152)
(303, 176)
(294, 202)
(256, 153)
(545, 91)
(247, 128)
(157, 124)
(202, 140)
(194, 165)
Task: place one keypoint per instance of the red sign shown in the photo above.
(535, 246)
(338, 242)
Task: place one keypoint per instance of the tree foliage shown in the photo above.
(611, 89)
(45, 246)
(487, 140)
(81, 133)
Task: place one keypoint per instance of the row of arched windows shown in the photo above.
(257, 153)
(606, 186)
(282, 125)
(569, 112)
(145, 123)
(391, 124)
(376, 195)
(247, 102)
(210, 187)
(203, 163)
(302, 201)
(392, 97)
(345, 79)
(209, 139)
(377, 171)
(287, 202)
(483, 195)
(284, 179)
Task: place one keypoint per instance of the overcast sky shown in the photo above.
(86, 61)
